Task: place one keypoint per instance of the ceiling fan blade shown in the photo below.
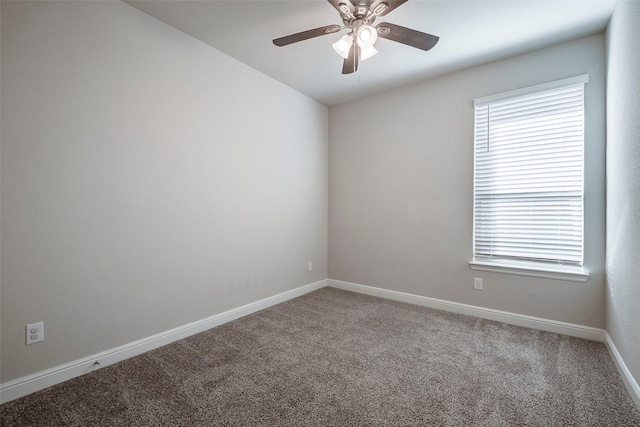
(304, 35)
(350, 64)
(391, 4)
(406, 36)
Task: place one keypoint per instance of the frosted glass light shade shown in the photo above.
(343, 45)
(368, 52)
(367, 36)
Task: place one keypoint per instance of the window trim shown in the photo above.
(531, 269)
(576, 273)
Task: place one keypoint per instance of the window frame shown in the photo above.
(547, 270)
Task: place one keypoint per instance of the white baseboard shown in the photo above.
(627, 377)
(23, 386)
(29, 384)
(579, 331)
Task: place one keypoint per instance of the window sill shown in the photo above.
(570, 273)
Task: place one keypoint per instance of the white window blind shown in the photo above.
(528, 178)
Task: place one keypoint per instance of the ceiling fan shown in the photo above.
(358, 45)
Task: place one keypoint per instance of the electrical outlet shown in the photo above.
(34, 333)
(310, 266)
(477, 283)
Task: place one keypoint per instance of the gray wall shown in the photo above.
(148, 181)
(623, 183)
(401, 188)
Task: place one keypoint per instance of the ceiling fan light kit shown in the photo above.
(365, 39)
(358, 45)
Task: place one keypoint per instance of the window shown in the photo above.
(528, 178)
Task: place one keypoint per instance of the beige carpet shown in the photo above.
(335, 358)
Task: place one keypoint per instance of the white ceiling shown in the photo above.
(471, 32)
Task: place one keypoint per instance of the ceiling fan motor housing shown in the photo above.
(361, 11)
(361, 14)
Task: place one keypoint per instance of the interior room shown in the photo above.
(166, 169)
